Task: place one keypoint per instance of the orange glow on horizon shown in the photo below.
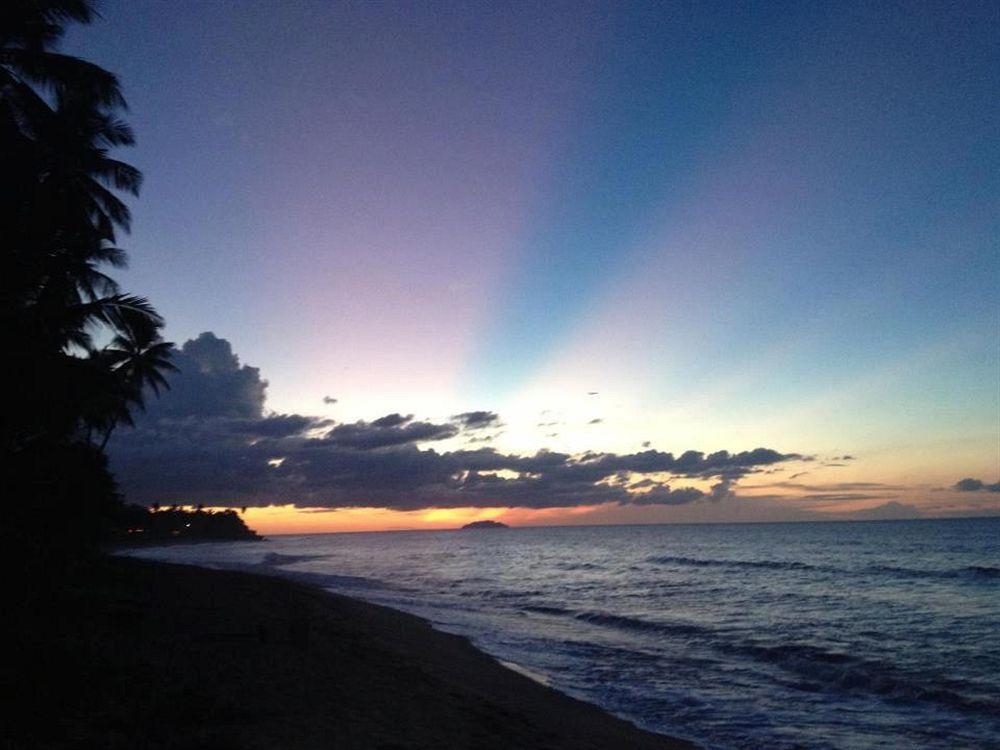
(290, 519)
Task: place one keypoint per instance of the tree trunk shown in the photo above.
(107, 436)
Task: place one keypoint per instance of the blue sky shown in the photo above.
(739, 223)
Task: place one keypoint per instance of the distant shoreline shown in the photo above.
(169, 653)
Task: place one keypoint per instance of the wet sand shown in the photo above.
(133, 654)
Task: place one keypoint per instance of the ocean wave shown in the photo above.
(580, 566)
(541, 609)
(323, 580)
(824, 669)
(646, 626)
(619, 622)
(970, 572)
(501, 593)
(982, 571)
(272, 559)
(712, 563)
(843, 672)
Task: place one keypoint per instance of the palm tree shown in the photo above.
(59, 216)
(69, 224)
(37, 136)
(138, 356)
(29, 33)
(58, 120)
(78, 173)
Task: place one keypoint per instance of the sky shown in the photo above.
(618, 227)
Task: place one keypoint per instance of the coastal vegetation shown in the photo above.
(136, 524)
(83, 354)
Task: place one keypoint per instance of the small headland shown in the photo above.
(137, 525)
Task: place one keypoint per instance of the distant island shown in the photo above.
(485, 525)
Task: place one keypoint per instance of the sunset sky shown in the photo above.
(623, 229)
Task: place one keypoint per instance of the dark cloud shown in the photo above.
(392, 420)
(664, 495)
(210, 382)
(231, 453)
(890, 511)
(240, 462)
(329, 400)
(276, 425)
(360, 465)
(826, 487)
(597, 420)
(975, 485)
(477, 420)
(388, 431)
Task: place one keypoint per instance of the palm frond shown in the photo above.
(118, 175)
(66, 76)
(107, 203)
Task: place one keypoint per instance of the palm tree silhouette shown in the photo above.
(139, 357)
(29, 29)
(61, 213)
(59, 219)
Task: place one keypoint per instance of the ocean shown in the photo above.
(777, 636)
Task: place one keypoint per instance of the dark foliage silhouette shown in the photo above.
(60, 217)
(138, 524)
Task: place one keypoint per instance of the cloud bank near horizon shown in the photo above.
(210, 440)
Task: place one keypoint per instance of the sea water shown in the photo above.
(807, 635)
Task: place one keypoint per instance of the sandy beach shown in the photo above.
(133, 654)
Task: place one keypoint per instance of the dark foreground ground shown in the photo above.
(129, 654)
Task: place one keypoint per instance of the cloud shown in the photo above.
(975, 485)
(365, 469)
(827, 487)
(886, 512)
(216, 445)
(841, 497)
(596, 420)
(210, 382)
(477, 420)
(392, 420)
(275, 425)
(664, 495)
(390, 430)
(329, 400)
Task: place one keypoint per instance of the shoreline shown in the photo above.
(177, 656)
